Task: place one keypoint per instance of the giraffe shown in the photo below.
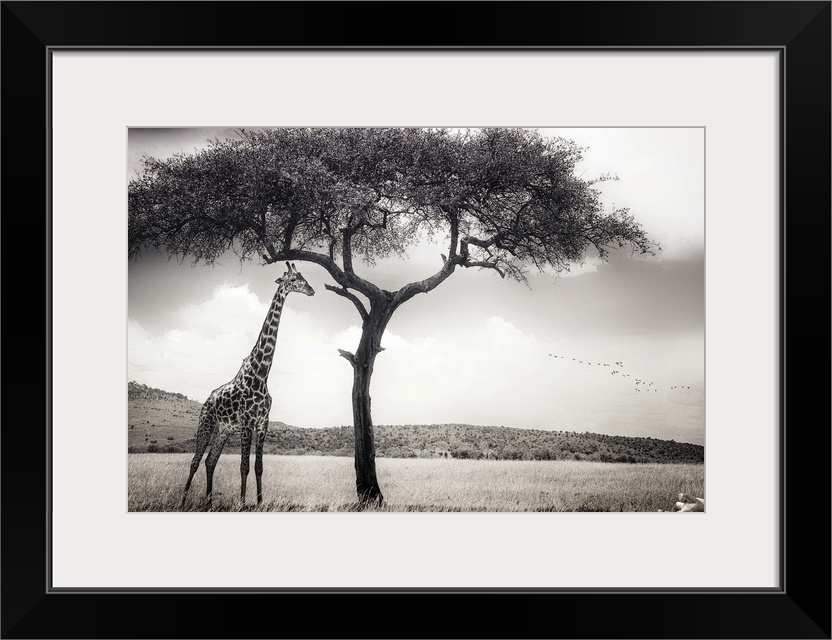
(242, 404)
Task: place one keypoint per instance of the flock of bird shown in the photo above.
(616, 369)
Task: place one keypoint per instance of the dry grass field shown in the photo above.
(326, 483)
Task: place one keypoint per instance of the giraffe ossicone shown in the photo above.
(243, 403)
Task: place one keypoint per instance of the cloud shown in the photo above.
(230, 309)
(485, 374)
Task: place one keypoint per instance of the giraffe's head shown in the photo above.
(294, 281)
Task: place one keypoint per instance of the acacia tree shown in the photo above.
(501, 199)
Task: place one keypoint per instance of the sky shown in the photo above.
(478, 349)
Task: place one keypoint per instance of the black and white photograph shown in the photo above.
(416, 319)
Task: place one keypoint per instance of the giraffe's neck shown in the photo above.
(260, 361)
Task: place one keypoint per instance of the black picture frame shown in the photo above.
(800, 608)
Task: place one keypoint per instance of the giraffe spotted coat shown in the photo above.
(243, 404)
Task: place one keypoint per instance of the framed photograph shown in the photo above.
(555, 258)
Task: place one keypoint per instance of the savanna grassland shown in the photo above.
(327, 483)
(449, 467)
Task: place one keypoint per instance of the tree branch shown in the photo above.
(484, 265)
(346, 280)
(350, 358)
(424, 286)
(347, 250)
(484, 243)
(429, 284)
(343, 292)
(453, 220)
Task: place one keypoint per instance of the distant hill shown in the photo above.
(136, 391)
(158, 420)
(162, 421)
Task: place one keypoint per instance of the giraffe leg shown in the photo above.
(245, 451)
(211, 462)
(258, 461)
(203, 437)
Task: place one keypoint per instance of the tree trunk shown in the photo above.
(366, 481)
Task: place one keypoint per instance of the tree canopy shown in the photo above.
(502, 199)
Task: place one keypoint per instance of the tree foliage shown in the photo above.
(502, 199)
